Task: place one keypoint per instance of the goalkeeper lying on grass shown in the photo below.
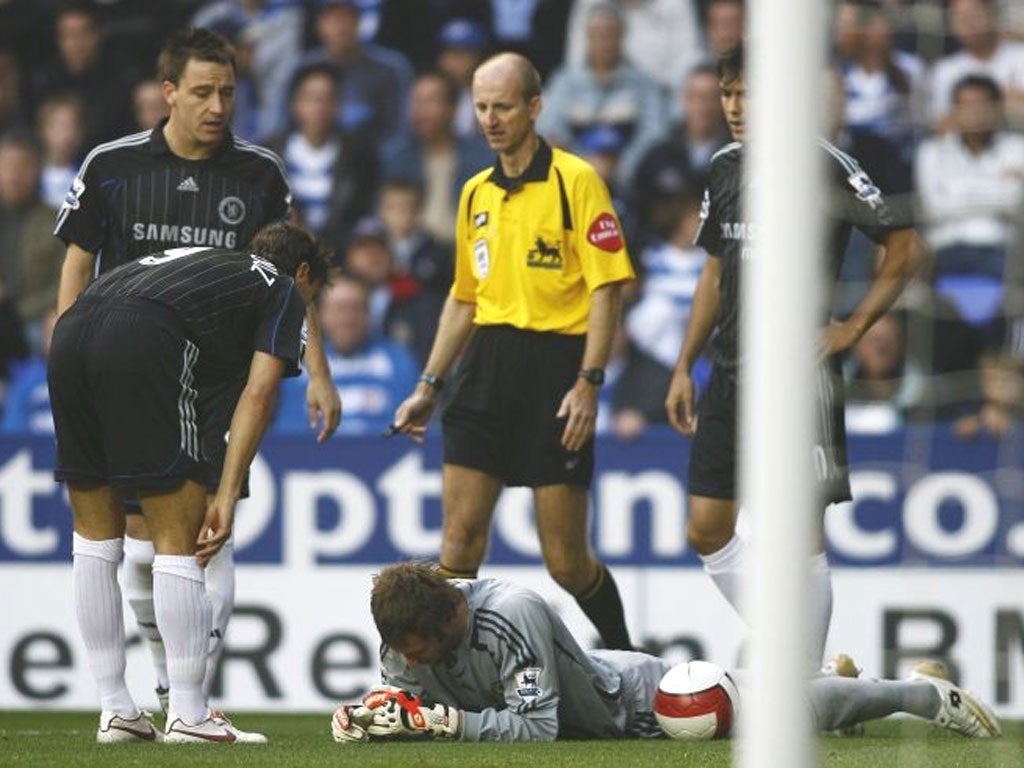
(491, 661)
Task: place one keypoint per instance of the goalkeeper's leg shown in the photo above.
(840, 702)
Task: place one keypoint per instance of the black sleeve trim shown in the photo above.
(566, 209)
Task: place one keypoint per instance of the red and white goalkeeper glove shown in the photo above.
(405, 714)
(349, 723)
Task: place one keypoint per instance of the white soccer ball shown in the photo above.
(696, 700)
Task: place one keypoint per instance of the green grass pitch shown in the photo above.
(65, 740)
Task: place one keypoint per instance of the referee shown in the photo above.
(186, 183)
(539, 267)
(726, 234)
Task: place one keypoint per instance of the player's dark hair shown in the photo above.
(730, 64)
(412, 599)
(287, 246)
(982, 82)
(192, 43)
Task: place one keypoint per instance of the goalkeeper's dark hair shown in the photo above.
(287, 246)
(412, 599)
(730, 64)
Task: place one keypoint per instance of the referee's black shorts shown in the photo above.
(502, 416)
(713, 452)
(121, 376)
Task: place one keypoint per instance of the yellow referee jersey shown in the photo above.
(530, 250)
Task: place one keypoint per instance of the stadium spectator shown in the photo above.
(539, 331)
(462, 44)
(851, 200)
(885, 385)
(333, 174)
(655, 323)
(268, 36)
(661, 38)
(13, 107)
(679, 161)
(375, 80)
(85, 68)
(605, 90)
(422, 267)
(148, 104)
(434, 155)
(975, 26)
(30, 257)
(187, 183)
(368, 257)
(971, 183)
(27, 407)
(60, 128)
(441, 684)
(724, 22)
(139, 431)
(886, 99)
(419, 41)
(372, 373)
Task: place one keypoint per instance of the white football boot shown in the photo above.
(960, 710)
(115, 729)
(215, 729)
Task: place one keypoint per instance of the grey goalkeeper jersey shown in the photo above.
(519, 675)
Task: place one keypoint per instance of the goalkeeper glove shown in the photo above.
(379, 695)
(408, 715)
(349, 723)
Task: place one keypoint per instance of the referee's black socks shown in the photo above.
(603, 606)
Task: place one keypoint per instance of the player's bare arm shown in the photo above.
(579, 406)
(322, 397)
(253, 413)
(74, 275)
(453, 331)
(679, 403)
(900, 261)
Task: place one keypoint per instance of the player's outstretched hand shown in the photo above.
(349, 723)
(579, 409)
(322, 400)
(407, 715)
(679, 403)
(412, 416)
(216, 528)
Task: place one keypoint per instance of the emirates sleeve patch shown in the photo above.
(604, 233)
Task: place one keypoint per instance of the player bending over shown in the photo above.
(491, 661)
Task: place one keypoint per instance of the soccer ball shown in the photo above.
(696, 700)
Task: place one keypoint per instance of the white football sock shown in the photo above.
(183, 615)
(726, 568)
(220, 589)
(821, 606)
(138, 588)
(101, 619)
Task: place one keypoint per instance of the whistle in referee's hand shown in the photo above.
(391, 431)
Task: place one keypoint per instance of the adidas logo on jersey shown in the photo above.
(188, 185)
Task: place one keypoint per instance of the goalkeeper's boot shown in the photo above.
(115, 728)
(843, 665)
(959, 710)
(215, 729)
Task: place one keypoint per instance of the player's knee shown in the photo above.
(571, 574)
(468, 542)
(706, 539)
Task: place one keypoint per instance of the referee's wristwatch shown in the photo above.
(436, 383)
(594, 376)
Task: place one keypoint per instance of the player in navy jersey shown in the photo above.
(130, 369)
(187, 183)
(852, 200)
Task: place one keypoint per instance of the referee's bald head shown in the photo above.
(504, 65)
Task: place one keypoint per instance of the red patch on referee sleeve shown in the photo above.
(604, 233)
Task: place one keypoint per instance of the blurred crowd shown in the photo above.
(368, 103)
